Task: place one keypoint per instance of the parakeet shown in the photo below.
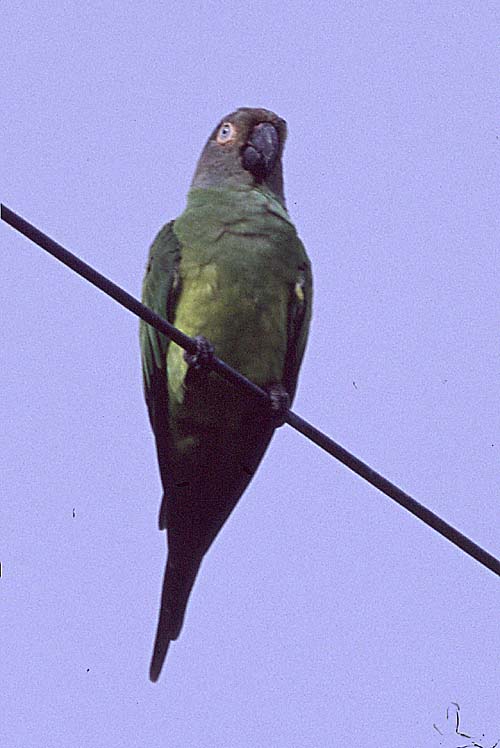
(232, 272)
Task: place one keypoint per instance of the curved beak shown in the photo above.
(260, 153)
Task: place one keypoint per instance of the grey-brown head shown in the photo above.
(244, 150)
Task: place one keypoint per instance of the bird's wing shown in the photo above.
(160, 291)
(299, 316)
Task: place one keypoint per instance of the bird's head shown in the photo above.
(244, 151)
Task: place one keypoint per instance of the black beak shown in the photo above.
(260, 153)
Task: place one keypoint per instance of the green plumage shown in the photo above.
(230, 268)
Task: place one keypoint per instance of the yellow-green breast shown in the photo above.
(240, 255)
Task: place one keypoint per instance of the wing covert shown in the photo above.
(299, 316)
(159, 292)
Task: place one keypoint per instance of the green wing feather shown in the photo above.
(299, 317)
(159, 292)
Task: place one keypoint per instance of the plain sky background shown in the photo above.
(324, 614)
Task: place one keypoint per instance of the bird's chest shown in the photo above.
(240, 307)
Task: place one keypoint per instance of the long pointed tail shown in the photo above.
(178, 582)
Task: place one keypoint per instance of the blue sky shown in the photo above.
(324, 614)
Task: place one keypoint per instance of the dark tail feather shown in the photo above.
(159, 653)
(177, 585)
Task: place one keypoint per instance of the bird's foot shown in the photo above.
(280, 403)
(202, 356)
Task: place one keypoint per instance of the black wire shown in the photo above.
(248, 387)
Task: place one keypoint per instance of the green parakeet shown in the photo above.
(232, 272)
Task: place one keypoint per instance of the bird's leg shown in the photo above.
(280, 403)
(202, 356)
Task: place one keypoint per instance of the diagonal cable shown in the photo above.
(249, 388)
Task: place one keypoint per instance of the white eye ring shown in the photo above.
(226, 133)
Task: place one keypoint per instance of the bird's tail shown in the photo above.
(178, 581)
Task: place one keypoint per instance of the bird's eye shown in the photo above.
(226, 133)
